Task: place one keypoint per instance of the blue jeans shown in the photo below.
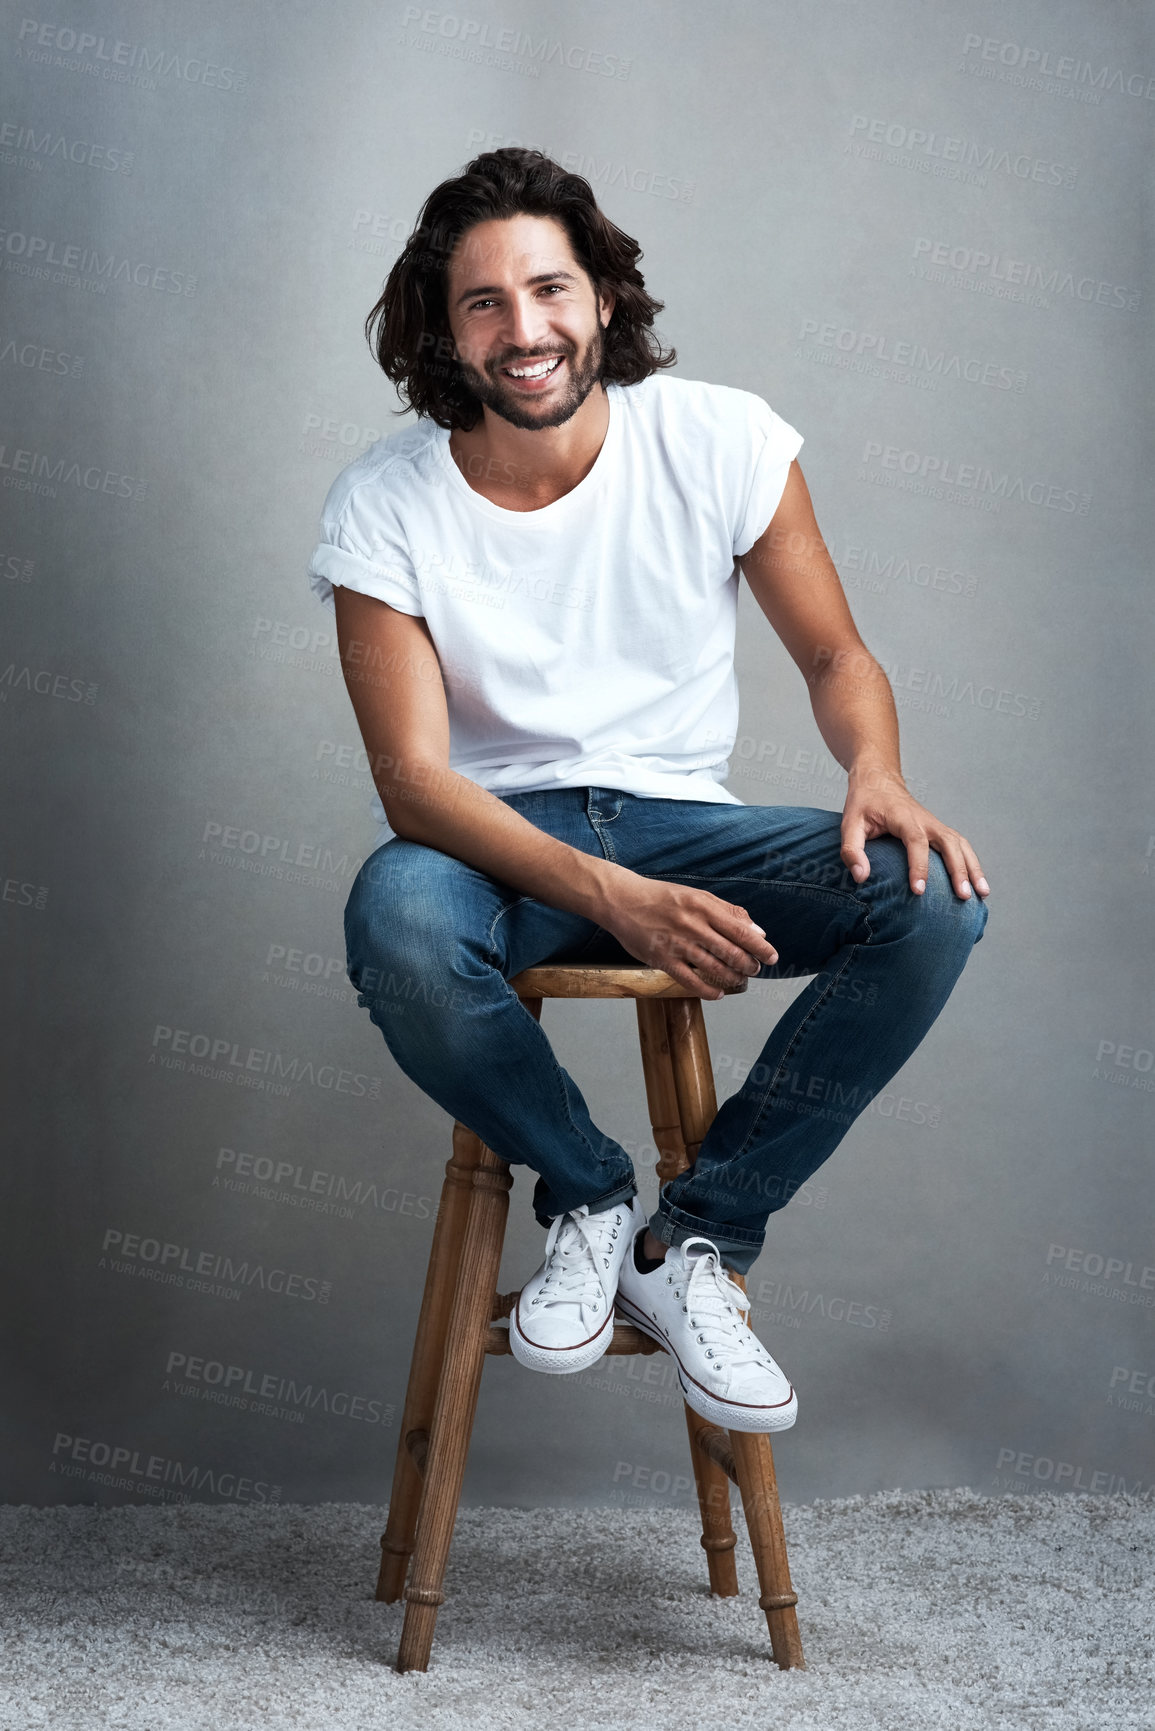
(431, 944)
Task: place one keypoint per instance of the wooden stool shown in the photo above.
(461, 1305)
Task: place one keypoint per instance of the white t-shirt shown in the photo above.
(590, 642)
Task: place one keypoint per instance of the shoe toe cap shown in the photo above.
(559, 1327)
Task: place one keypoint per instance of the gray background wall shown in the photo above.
(921, 232)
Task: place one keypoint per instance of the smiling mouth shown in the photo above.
(532, 371)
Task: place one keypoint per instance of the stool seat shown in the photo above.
(601, 980)
(462, 1312)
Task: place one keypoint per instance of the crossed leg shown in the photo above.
(432, 944)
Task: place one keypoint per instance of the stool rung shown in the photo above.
(417, 1442)
(715, 1442)
(629, 1339)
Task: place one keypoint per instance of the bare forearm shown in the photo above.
(854, 708)
(447, 811)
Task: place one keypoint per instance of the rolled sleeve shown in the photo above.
(776, 444)
(358, 554)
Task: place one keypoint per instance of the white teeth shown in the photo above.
(536, 372)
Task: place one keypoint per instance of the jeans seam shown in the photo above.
(777, 883)
(600, 1199)
(677, 1217)
(506, 908)
(607, 844)
(493, 957)
(599, 824)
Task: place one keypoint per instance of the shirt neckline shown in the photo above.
(545, 516)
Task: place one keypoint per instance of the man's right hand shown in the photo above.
(704, 943)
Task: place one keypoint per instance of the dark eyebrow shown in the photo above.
(493, 289)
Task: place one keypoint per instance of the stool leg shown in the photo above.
(758, 1484)
(693, 1072)
(456, 1405)
(668, 1121)
(753, 1457)
(428, 1357)
(718, 1538)
(661, 1092)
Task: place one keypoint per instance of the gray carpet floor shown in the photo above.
(918, 1611)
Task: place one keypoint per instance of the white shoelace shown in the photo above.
(714, 1304)
(575, 1258)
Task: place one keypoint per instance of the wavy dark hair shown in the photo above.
(408, 329)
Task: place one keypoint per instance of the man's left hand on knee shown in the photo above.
(878, 802)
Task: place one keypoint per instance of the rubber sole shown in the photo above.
(559, 1360)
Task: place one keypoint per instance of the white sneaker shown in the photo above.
(690, 1304)
(563, 1319)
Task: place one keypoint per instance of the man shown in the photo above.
(535, 589)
